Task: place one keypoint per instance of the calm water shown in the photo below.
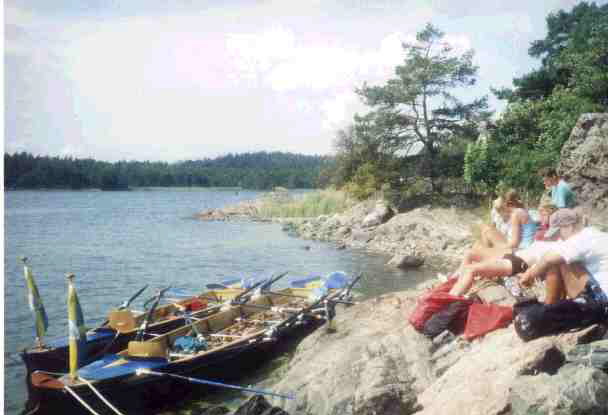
(115, 242)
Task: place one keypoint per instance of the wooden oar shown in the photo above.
(285, 295)
(240, 299)
(349, 287)
(140, 333)
(127, 303)
(212, 383)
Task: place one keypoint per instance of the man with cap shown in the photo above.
(583, 248)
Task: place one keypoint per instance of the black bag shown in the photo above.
(533, 319)
(452, 318)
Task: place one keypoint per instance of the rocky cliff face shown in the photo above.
(584, 160)
(376, 363)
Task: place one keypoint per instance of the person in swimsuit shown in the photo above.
(497, 233)
(523, 229)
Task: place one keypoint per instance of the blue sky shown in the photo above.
(175, 80)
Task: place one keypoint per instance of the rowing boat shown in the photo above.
(122, 325)
(226, 342)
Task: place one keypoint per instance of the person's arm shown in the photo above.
(515, 238)
(541, 267)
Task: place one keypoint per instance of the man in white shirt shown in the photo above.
(581, 247)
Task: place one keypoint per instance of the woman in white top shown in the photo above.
(499, 231)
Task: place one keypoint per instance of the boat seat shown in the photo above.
(147, 349)
(122, 320)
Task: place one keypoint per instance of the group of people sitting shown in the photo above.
(556, 247)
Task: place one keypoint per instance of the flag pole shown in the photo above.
(35, 304)
(76, 329)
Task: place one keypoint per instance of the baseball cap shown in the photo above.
(561, 218)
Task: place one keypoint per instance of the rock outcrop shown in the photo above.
(376, 363)
(584, 160)
(247, 210)
(437, 237)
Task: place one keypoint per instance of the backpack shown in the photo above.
(435, 301)
(453, 318)
(534, 319)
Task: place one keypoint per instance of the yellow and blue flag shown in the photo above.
(35, 302)
(76, 329)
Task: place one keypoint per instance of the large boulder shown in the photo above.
(373, 364)
(573, 390)
(584, 160)
(379, 215)
(406, 261)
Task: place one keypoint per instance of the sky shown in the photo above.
(179, 80)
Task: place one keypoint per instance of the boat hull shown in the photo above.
(145, 393)
(55, 357)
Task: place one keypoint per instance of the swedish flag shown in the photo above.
(76, 328)
(35, 302)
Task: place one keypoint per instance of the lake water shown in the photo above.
(115, 242)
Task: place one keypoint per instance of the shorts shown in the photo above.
(518, 265)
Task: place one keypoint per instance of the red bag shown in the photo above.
(432, 302)
(484, 318)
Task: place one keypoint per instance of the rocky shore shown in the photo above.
(376, 363)
(433, 237)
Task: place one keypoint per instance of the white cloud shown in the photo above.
(339, 109)
(198, 81)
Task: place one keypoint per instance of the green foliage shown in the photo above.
(529, 136)
(573, 53)
(366, 182)
(251, 170)
(547, 102)
(479, 171)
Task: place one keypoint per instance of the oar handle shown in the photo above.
(144, 325)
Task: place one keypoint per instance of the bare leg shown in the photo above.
(575, 278)
(492, 268)
(565, 281)
(554, 285)
(491, 237)
(478, 254)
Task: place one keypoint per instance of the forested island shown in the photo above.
(261, 170)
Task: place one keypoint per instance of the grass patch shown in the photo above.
(322, 202)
